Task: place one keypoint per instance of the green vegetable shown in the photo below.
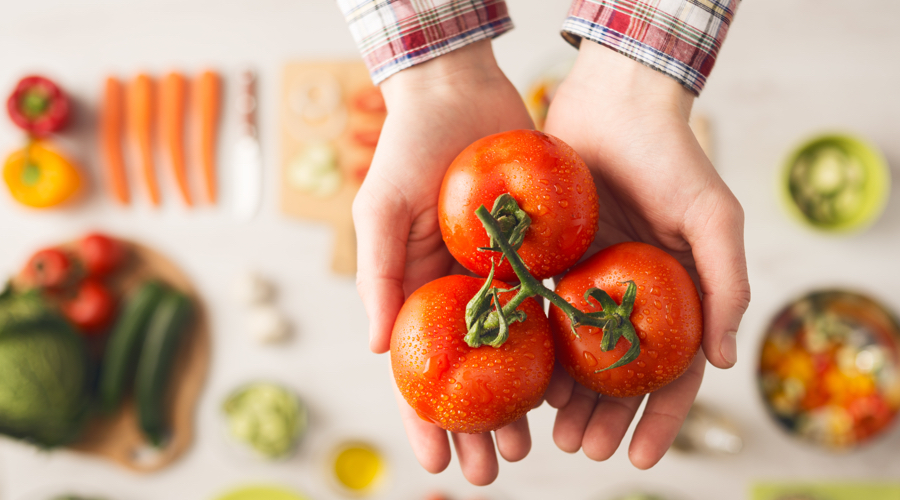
(125, 342)
(44, 396)
(21, 308)
(167, 325)
(266, 417)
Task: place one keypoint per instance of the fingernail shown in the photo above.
(728, 349)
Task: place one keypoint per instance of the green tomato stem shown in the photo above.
(613, 319)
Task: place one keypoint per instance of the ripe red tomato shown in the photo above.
(460, 388)
(550, 182)
(92, 308)
(100, 254)
(667, 317)
(49, 268)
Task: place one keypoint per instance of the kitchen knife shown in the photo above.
(248, 168)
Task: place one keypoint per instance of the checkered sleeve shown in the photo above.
(680, 38)
(393, 35)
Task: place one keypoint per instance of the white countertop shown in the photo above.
(788, 69)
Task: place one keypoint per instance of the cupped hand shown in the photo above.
(435, 110)
(656, 185)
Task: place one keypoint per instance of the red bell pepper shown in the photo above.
(38, 106)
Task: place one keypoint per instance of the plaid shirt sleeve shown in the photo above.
(680, 38)
(395, 34)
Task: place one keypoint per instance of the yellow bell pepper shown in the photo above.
(39, 177)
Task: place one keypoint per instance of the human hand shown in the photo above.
(630, 125)
(435, 110)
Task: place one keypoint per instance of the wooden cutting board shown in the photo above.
(116, 437)
(320, 105)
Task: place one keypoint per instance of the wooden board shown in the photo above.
(116, 437)
(318, 107)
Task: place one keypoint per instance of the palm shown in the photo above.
(400, 244)
(655, 185)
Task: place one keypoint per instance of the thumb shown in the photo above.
(382, 224)
(717, 243)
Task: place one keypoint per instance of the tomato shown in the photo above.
(667, 317)
(92, 308)
(49, 268)
(550, 182)
(100, 254)
(460, 388)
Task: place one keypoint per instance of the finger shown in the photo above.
(559, 391)
(717, 243)
(662, 418)
(608, 424)
(477, 457)
(572, 419)
(382, 228)
(514, 440)
(428, 441)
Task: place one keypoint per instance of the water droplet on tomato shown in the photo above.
(670, 320)
(578, 188)
(590, 359)
(657, 304)
(563, 203)
(424, 417)
(571, 237)
(481, 392)
(652, 354)
(558, 189)
(436, 365)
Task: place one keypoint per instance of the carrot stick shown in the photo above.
(208, 91)
(111, 139)
(140, 119)
(173, 101)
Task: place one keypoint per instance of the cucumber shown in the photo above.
(124, 344)
(167, 325)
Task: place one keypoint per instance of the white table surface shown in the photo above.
(788, 69)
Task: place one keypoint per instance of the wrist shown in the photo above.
(619, 80)
(468, 67)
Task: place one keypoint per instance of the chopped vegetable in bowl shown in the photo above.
(837, 183)
(266, 417)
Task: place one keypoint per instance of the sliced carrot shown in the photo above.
(173, 102)
(111, 139)
(208, 89)
(140, 120)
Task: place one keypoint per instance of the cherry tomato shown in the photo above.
(100, 254)
(49, 268)
(667, 317)
(460, 388)
(548, 180)
(92, 308)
